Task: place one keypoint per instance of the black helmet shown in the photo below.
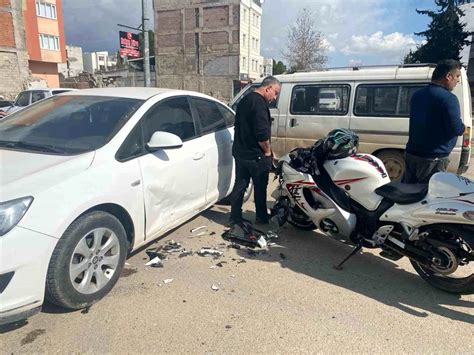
(340, 143)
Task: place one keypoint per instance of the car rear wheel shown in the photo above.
(87, 261)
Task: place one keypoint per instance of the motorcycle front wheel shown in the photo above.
(297, 218)
(452, 266)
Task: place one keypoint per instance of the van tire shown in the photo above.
(394, 162)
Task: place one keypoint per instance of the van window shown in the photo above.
(320, 100)
(37, 95)
(247, 91)
(374, 100)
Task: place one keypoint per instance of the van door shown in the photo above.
(315, 110)
(381, 120)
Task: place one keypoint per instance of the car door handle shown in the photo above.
(198, 156)
(294, 122)
(135, 183)
(273, 119)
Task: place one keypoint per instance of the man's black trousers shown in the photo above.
(257, 170)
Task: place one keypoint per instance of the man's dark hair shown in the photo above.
(269, 80)
(444, 67)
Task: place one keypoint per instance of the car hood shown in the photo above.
(26, 173)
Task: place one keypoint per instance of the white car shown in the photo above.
(28, 97)
(90, 175)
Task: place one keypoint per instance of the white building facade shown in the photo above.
(98, 61)
(251, 62)
(74, 62)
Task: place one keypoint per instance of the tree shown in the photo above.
(278, 68)
(305, 49)
(445, 36)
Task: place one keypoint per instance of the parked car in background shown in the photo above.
(372, 101)
(28, 97)
(5, 103)
(91, 175)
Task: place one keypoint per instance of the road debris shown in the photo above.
(245, 234)
(214, 287)
(186, 253)
(173, 247)
(210, 252)
(283, 256)
(167, 281)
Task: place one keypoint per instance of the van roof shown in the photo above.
(361, 73)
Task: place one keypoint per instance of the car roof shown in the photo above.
(132, 92)
(49, 89)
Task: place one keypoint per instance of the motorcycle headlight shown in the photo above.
(11, 212)
(469, 215)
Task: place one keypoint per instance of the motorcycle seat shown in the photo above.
(403, 194)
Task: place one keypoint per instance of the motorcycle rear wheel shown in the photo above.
(300, 220)
(444, 276)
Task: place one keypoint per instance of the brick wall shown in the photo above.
(216, 16)
(215, 38)
(5, 3)
(168, 21)
(7, 39)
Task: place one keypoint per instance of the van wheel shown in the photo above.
(87, 261)
(394, 162)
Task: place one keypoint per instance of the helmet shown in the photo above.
(340, 143)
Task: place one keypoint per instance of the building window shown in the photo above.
(245, 14)
(44, 9)
(257, 23)
(244, 62)
(256, 44)
(244, 40)
(49, 42)
(253, 19)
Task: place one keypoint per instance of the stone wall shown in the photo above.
(14, 71)
(197, 45)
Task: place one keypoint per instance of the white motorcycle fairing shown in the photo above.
(450, 198)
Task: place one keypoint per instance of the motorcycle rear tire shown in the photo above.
(460, 286)
(299, 220)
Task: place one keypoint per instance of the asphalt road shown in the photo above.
(289, 300)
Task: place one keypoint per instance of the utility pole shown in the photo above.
(146, 47)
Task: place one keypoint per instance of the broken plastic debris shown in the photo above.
(272, 235)
(245, 234)
(215, 287)
(167, 281)
(185, 253)
(210, 252)
(155, 262)
(172, 247)
(202, 228)
(221, 264)
(213, 267)
(262, 243)
(127, 264)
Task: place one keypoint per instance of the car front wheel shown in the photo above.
(87, 261)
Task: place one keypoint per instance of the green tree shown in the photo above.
(445, 36)
(151, 43)
(278, 68)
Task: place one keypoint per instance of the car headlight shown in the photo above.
(11, 212)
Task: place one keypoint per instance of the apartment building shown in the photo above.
(14, 73)
(44, 29)
(99, 61)
(211, 46)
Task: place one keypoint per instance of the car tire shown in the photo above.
(87, 261)
(394, 162)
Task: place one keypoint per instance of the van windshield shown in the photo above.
(66, 125)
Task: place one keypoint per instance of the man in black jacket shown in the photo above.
(435, 124)
(252, 150)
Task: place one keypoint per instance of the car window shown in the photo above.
(320, 100)
(209, 115)
(384, 100)
(37, 95)
(229, 116)
(68, 124)
(173, 116)
(248, 90)
(133, 144)
(23, 99)
(56, 92)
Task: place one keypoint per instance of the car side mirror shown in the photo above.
(163, 140)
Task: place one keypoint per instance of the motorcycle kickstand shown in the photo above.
(353, 252)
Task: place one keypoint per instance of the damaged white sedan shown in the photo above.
(90, 175)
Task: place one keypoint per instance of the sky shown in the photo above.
(356, 31)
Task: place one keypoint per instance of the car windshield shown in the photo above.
(67, 124)
(23, 99)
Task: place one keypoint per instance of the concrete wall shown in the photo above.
(45, 71)
(76, 64)
(197, 45)
(14, 72)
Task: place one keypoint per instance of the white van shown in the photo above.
(372, 101)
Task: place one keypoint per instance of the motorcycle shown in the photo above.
(353, 200)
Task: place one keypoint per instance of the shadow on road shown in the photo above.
(313, 254)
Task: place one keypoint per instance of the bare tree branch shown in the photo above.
(305, 48)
